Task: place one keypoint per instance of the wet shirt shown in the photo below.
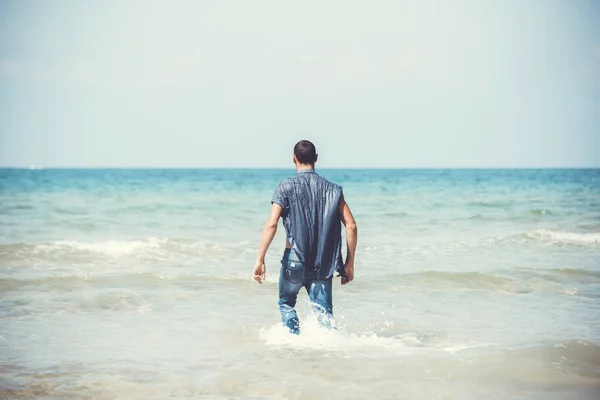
(312, 222)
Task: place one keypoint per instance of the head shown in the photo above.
(305, 154)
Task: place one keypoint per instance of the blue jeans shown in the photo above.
(291, 280)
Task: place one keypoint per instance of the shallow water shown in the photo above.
(137, 284)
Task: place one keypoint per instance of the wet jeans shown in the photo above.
(291, 280)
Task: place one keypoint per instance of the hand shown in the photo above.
(259, 271)
(348, 273)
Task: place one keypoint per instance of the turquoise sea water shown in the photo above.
(137, 284)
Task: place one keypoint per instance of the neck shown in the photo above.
(300, 167)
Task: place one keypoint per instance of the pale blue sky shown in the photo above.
(237, 83)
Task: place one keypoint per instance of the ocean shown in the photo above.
(137, 284)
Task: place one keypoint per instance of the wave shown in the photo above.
(119, 293)
(110, 248)
(538, 237)
(543, 236)
(396, 215)
(531, 215)
(73, 282)
(568, 272)
(589, 227)
(472, 280)
(578, 353)
(152, 247)
(582, 357)
(315, 337)
(521, 280)
(180, 250)
(487, 204)
(540, 212)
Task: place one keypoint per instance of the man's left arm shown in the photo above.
(266, 238)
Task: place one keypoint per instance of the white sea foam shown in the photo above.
(116, 248)
(315, 337)
(111, 247)
(569, 291)
(565, 237)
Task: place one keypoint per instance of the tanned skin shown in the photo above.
(270, 229)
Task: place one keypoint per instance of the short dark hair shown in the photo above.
(305, 152)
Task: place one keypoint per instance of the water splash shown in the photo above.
(315, 337)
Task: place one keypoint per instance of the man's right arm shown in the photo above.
(351, 239)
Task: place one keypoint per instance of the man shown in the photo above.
(313, 210)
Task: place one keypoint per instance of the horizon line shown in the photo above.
(40, 167)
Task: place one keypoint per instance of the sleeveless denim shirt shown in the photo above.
(312, 222)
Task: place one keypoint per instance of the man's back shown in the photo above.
(313, 210)
(312, 221)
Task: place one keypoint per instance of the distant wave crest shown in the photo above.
(151, 249)
(546, 236)
(540, 212)
(110, 247)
